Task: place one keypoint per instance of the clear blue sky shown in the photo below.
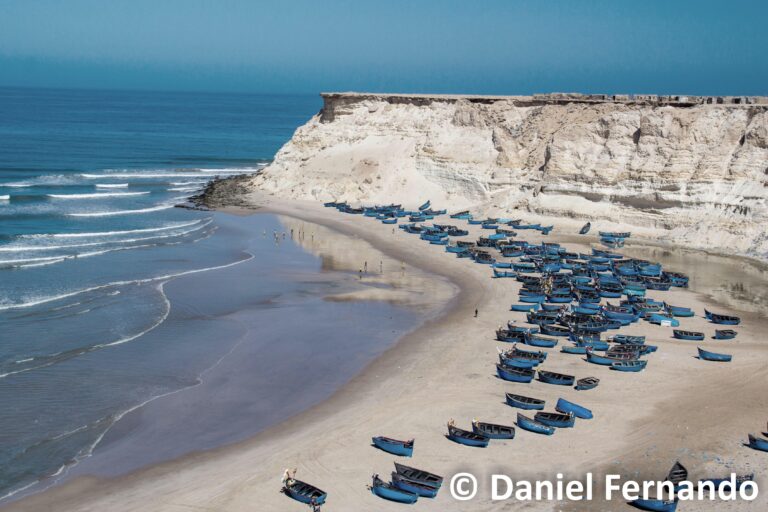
(495, 47)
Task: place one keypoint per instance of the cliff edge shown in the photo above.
(686, 170)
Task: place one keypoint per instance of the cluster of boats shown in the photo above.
(565, 297)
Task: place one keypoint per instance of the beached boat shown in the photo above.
(688, 335)
(389, 221)
(555, 330)
(664, 320)
(629, 366)
(467, 438)
(566, 407)
(587, 383)
(678, 311)
(525, 307)
(503, 273)
(573, 349)
(425, 206)
(558, 379)
(419, 475)
(390, 492)
(608, 360)
(404, 484)
(524, 402)
(512, 361)
(727, 483)
(585, 228)
(721, 319)
(304, 492)
(538, 354)
(624, 339)
(462, 215)
(555, 419)
(758, 443)
(524, 375)
(540, 341)
(493, 431)
(532, 425)
(725, 334)
(394, 446)
(713, 356)
(655, 505)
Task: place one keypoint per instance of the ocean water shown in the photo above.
(112, 299)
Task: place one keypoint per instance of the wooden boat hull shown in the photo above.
(556, 379)
(524, 402)
(584, 385)
(725, 334)
(574, 350)
(393, 446)
(419, 475)
(565, 407)
(423, 491)
(531, 425)
(536, 341)
(515, 375)
(392, 493)
(757, 443)
(492, 431)
(629, 366)
(565, 422)
(304, 492)
(714, 356)
(655, 505)
(688, 336)
(467, 438)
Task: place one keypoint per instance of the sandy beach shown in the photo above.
(679, 408)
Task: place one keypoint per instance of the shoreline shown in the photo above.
(435, 339)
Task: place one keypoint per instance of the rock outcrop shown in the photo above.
(692, 174)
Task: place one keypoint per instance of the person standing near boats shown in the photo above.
(289, 477)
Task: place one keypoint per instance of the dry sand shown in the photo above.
(679, 408)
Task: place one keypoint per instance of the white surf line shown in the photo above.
(6, 307)
(115, 233)
(30, 248)
(97, 195)
(111, 185)
(150, 175)
(121, 212)
(5, 198)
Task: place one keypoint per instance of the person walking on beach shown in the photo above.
(289, 477)
(475, 312)
(365, 265)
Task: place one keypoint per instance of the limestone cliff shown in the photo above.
(694, 174)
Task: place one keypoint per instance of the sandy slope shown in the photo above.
(679, 407)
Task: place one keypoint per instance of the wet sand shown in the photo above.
(679, 408)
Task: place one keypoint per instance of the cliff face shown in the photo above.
(693, 175)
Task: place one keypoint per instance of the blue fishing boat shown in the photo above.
(758, 443)
(418, 475)
(725, 334)
(574, 349)
(304, 492)
(587, 383)
(404, 484)
(688, 335)
(556, 419)
(524, 402)
(629, 366)
(596, 345)
(512, 374)
(525, 307)
(721, 319)
(467, 438)
(533, 298)
(503, 273)
(659, 319)
(390, 492)
(394, 446)
(540, 341)
(539, 354)
(389, 221)
(727, 483)
(624, 339)
(462, 215)
(566, 407)
(608, 360)
(656, 505)
(678, 311)
(585, 228)
(558, 379)
(555, 330)
(713, 356)
(425, 206)
(531, 425)
(456, 249)
(492, 430)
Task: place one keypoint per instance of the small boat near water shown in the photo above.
(688, 335)
(394, 446)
